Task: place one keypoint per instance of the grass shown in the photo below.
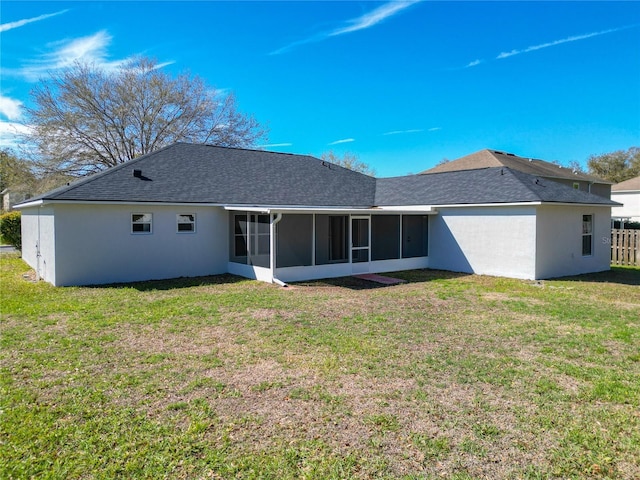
(448, 375)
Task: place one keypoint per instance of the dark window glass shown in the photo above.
(415, 236)
(587, 235)
(385, 237)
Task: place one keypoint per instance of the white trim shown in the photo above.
(425, 209)
(247, 209)
(35, 203)
(116, 202)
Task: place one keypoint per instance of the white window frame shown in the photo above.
(588, 234)
(137, 222)
(192, 223)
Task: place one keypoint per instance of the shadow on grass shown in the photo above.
(176, 283)
(353, 283)
(621, 275)
(410, 276)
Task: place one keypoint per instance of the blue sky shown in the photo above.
(401, 84)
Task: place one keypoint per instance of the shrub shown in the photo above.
(627, 225)
(10, 229)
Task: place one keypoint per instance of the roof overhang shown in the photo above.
(42, 202)
(425, 210)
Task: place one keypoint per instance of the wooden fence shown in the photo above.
(625, 247)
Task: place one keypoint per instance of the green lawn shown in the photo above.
(446, 376)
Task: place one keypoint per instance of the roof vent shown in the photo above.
(137, 173)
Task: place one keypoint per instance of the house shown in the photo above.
(12, 196)
(628, 194)
(540, 168)
(191, 210)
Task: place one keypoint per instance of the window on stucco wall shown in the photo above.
(587, 235)
(186, 222)
(141, 223)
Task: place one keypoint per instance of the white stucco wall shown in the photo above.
(559, 241)
(38, 241)
(94, 244)
(498, 241)
(631, 205)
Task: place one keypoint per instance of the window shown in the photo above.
(415, 236)
(260, 236)
(240, 235)
(385, 237)
(338, 238)
(251, 239)
(186, 222)
(576, 186)
(587, 235)
(295, 241)
(332, 239)
(141, 222)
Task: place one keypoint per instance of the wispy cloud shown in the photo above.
(19, 23)
(344, 140)
(65, 53)
(374, 17)
(363, 22)
(273, 145)
(399, 132)
(10, 108)
(412, 130)
(474, 63)
(573, 38)
(533, 48)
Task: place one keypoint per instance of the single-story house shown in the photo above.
(627, 193)
(547, 170)
(190, 210)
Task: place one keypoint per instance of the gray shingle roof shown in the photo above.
(188, 173)
(485, 185)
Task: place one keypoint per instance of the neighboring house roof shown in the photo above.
(479, 186)
(631, 185)
(494, 158)
(189, 173)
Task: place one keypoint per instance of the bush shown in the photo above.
(627, 225)
(10, 229)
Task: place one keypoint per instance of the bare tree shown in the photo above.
(86, 119)
(348, 160)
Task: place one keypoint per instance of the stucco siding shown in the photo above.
(630, 208)
(559, 241)
(95, 245)
(498, 241)
(38, 241)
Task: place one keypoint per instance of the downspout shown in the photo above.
(38, 248)
(276, 219)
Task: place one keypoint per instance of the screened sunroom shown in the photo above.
(281, 245)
